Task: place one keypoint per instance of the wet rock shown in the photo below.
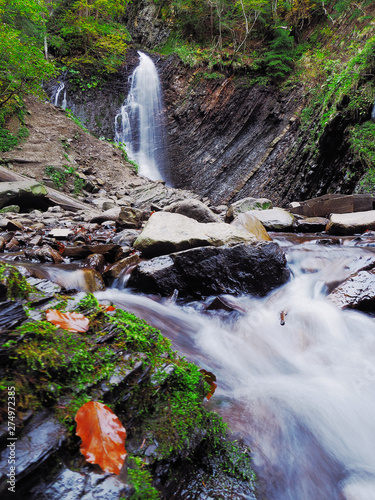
(126, 237)
(71, 485)
(253, 225)
(357, 292)
(27, 193)
(40, 440)
(166, 232)
(44, 254)
(194, 209)
(116, 269)
(95, 261)
(93, 282)
(2, 244)
(130, 217)
(11, 313)
(254, 269)
(247, 204)
(83, 251)
(222, 304)
(44, 285)
(122, 252)
(311, 224)
(352, 223)
(13, 245)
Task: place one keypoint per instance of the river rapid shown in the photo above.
(295, 374)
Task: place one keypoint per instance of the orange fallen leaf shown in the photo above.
(71, 321)
(103, 436)
(108, 308)
(210, 378)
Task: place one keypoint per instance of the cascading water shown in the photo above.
(55, 97)
(303, 394)
(140, 123)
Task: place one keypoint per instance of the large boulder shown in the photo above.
(275, 219)
(256, 269)
(357, 292)
(328, 204)
(26, 194)
(245, 205)
(194, 209)
(353, 223)
(252, 225)
(167, 232)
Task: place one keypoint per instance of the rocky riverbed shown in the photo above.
(167, 242)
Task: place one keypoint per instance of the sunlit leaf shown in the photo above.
(71, 321)
(103, 436)
(210, 378)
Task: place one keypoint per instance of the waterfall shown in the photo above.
(140, 123)
(64, 104)
(55, 98)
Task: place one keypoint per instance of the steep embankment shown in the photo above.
(224, 135)
(230, 138)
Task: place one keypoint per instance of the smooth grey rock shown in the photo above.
(247, 204)
(166, 232)
(351, 223)
(275, 219)
(111, 214)
(194, 209)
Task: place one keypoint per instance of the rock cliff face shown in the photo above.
(229, 140)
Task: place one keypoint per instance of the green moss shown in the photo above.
(62, 369)
(16, 283)
(141, 480)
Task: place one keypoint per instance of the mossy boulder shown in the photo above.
(28, 193)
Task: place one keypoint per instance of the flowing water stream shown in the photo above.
(301, 395)
(140, 122)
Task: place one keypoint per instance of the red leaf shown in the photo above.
(108, 308)
(71, 321)
(103, 436)
(210, 378)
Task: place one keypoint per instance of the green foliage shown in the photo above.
(141, 480)
(86, 37)
(362, 145)
(22, 65)
(76, 120)
(60, 176)
(280, 59)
